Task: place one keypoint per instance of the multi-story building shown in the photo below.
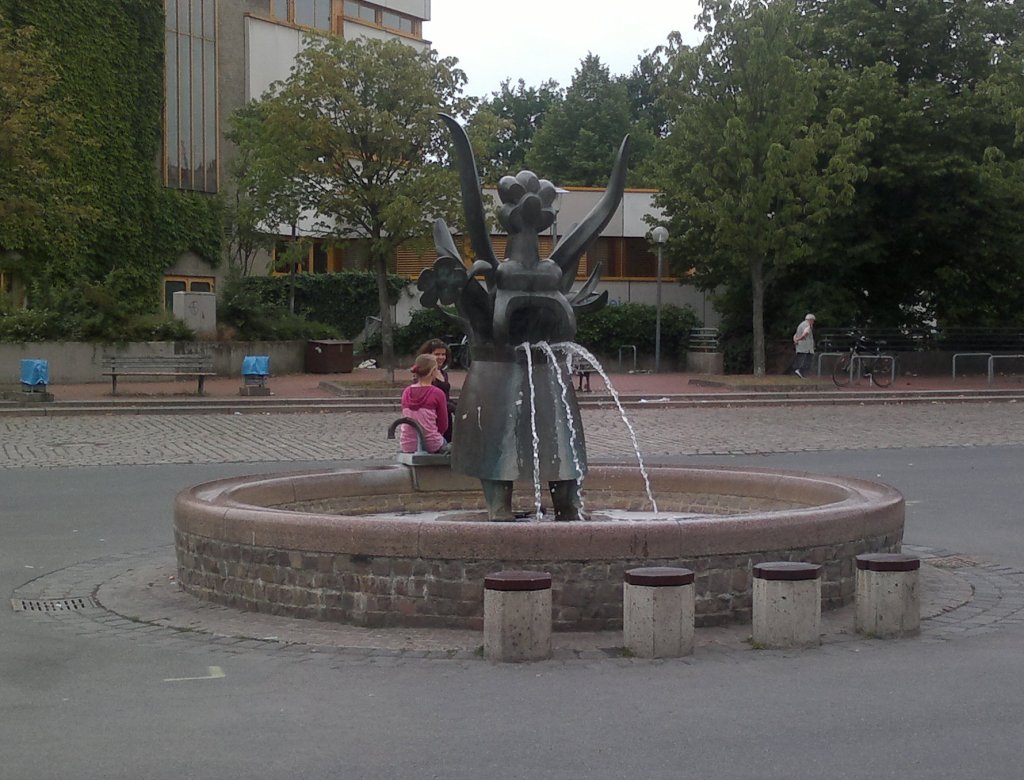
(222, 53)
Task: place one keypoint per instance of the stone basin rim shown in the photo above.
(248, 511)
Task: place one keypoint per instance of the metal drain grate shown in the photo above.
(53, 606)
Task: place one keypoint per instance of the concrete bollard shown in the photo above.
(657, 612)
(517, 616)
(787, 604)
(888, 602)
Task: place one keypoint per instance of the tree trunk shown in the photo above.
(387, 328)
(291, 289)
(757, 312)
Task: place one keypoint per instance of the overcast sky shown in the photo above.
(541, 39)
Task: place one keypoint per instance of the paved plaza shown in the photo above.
(109, 440)
(139, 680)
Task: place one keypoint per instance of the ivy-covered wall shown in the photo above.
(112, 60)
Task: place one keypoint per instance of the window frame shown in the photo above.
(190, 154)
(167, 301)
(291, 14)
(415, 25)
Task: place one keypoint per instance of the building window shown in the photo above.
(190, 76)
(320, 258)
(12, 292)
(360, 11)
(315, 14)
(380, 17)
(625, 258)
(173, 284)
(392, 21)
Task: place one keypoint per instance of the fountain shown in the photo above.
(512, 311)
(410, 544)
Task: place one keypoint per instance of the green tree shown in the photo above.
(579, 138)
(246, 219)
(646, 85)
(746, 172)
(935, 232)
(503, 125)
(42, 207)
(355, 125)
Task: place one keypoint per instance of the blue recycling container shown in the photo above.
(35, 372)
(256, 365)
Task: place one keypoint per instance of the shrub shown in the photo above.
(49, 325)
(339, 301)
(604, 331)
(424, 324)
(254, 315)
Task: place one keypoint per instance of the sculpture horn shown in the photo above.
(472, 199)
(573, 245)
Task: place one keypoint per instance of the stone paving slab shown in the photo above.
(114, 440)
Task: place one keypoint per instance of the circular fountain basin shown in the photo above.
(395, 545)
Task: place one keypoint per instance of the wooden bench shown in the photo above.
(177, 366)
(581, 369)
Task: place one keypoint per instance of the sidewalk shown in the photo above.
(374, 381)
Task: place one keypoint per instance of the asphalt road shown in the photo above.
(84, 703)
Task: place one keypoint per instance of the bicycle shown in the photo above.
(866, 354)
(459, 351)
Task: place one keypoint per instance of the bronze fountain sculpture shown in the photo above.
(513, 309)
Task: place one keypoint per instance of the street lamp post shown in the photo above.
(660, 236)
(559, 192)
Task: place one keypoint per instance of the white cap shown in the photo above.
(809, 317)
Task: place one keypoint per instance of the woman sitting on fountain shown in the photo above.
(426, 404)
(439, 350)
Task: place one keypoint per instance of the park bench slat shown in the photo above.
(190, 366)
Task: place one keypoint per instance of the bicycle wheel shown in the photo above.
(460, 355)
(881, 372)
(841, 372)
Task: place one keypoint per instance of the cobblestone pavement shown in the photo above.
(59, 442)
(134, 596)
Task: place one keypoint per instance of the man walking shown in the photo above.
(804, 341)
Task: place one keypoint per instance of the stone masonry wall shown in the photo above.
(394, 591)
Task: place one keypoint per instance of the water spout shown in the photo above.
(573, 436)
(587, 355)
(539, 510)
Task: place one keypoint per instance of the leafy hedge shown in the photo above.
(326, 305)
(602, 332)
(88, 313)
(424, 324)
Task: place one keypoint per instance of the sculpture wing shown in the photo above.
(567, 253)
(591, 303)
(472, 198)
(589, 286)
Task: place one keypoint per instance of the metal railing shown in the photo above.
(957, 355)
(993, 358)
(852, 370)
(627, 347)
